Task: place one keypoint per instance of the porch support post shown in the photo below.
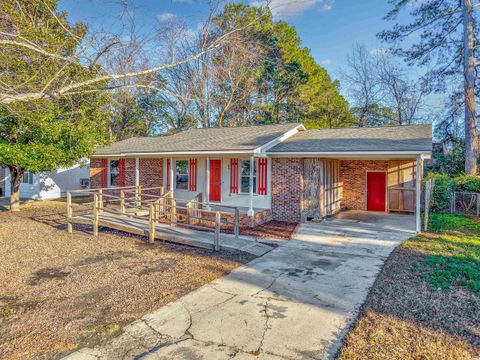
(250, 204)
(207, 181)
(172, 164)
(137, 171)
(418, 190)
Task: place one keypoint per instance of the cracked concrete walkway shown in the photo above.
(295, 302)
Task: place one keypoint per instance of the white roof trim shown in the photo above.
(353, 154)
(168, 153)
(264, 148)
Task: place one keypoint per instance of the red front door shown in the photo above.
(376, 190)
(215, 180)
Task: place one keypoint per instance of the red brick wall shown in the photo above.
(151, 172)
(130, 172)
(287, 189)
(95, 173)
(353, 174)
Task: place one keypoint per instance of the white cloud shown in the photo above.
(326, 7)
(326, 61)
(291, 8)
(379, 52)
(166, 16)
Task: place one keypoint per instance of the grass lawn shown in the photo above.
(61, 291)
(425, 304)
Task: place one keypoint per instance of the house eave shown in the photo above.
(353, 154)
(173, 153)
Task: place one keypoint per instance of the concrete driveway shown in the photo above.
(295, 302)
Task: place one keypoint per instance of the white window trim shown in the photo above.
(255, 188)
(175, 174)
(109, 178)
(29, 177)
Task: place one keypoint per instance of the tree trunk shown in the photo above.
(16, 174)
(471, 133)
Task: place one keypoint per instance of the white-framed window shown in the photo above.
(181, 174)
(27, 178)
(245, 176)
(114, 173)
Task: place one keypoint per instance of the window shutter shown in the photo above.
(121, 172)
(233, 176)
(262, 176)
(193, 175)
(168, 174)
(104, 173)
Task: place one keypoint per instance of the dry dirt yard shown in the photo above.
(61, 291)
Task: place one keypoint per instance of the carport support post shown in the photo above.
(250, 205)
(418, 190)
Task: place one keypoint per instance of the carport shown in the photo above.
(371, 169)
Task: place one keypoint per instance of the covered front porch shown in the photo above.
(218, 181)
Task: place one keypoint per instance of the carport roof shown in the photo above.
(393, 139)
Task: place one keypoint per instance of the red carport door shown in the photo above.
(215, 180)
(376, 190)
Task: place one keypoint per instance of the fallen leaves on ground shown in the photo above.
(61, 291)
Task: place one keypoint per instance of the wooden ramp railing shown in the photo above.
(154, 206)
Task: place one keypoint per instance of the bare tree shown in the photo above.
(90, 50)
(362, 85)
(398, 92)
(217, 88)
(381, 90)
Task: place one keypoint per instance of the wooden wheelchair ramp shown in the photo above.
(147, 221)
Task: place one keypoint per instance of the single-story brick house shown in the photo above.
(298, 173)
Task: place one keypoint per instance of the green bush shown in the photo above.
(442, 191)
(446, 185)
(467, 183)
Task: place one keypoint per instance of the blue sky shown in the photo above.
(328, 27)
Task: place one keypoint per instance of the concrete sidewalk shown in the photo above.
(295, 302)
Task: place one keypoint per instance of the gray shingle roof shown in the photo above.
(386, 138)
(212, 139)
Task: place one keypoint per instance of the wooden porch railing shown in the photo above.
(134, 202)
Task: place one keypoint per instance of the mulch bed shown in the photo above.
(274, 229)
(404, 317)
(61, 291)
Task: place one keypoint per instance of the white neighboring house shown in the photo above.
(47, 185)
